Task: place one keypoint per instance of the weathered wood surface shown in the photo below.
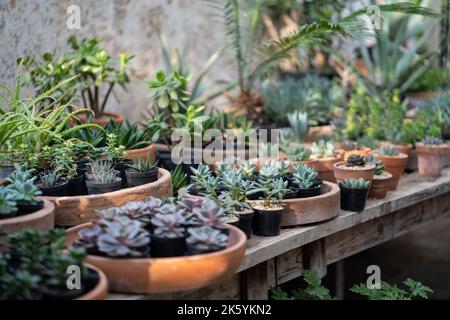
(273, 261)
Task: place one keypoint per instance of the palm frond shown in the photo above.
(400, 7)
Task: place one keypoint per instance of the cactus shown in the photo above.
(355, 183)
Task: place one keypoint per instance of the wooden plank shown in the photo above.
(371, 233)
(257, 286)
(289, 266)
(314, 255)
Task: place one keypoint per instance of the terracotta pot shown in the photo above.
(316, 132)
(147, 153)
(422, 95)
(160, 275)
(100, 291)
(448, 158)
(360, 152)
(380, 185)
(432, 159)
(104, 119)
(395, 165)
(324, 167)
(413, 161)
(43, 220)
(310, 210)
(71, 211)
(341, 172)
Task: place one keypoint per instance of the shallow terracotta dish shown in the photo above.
(160, 275)
(314, 209)
(100, 291)
(71, 211)
(42, 220)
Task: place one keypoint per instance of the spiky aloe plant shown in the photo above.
(352, 183)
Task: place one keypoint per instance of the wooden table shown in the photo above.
(269, 262)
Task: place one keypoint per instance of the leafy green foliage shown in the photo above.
(414, 289)
(128, 134)
(431, 80)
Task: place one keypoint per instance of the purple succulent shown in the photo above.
(209, 214)
(207, 238)
(168, 225)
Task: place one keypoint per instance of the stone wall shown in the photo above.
(32, 27)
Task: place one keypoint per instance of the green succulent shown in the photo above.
(299, 124)
(142, 165)
(355, 183)
(7, 203)
(355, 160)
(432, 140)
(50, 179)
(389, 151)
(306, 177)
(322, 149)
(379, 167)
(102, 171)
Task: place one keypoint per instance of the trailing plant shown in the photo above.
(305, 177)
(206, 238)
(355, 183)
(355, 160)
(379, 167)
(322, 149)
(389, 151)
(432, 140)
(414, 289)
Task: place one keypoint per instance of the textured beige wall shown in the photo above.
(30, 27)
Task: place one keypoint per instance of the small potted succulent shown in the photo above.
(432, 154)
(52, 184)
(381, 179)
(142, 171)
(323, 157)
(267, 218)
(354, 147)
(394, 162)
(354, 194)
(35, 266)
(168, 238)
(205, 239)
(355, 167)
(8, 207)
(202, 179)
(269, 170)
(102, 177)
(115, 153)
(25, 192)
(307, 181)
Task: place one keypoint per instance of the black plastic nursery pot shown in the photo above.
(136, 178)
(245, 222)
(193, 250)
(165, 158)
(29, 208)
(6, 170)
(77, 186)
(60, 190)
(99, 188)
(167, 247)
(267, 222)
(353, 199)
(292, 194)
(310, 192)
(122, 166)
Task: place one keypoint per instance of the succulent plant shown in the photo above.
(432, 140)
(210, 214)
(297, 153)
(113, 150)
(50, 179)
(88, 237)
(102, 171)
(7, 203)
(299, 124)
(322, 149)
(248, 169)
(379, 167)
(23, 189)
(207, 238)
(142, 165)
(389, 151)
(269, 170)
(139, 210)
(63, 160)
(306, 177)
(204, 180)
(233, 180)
(355, 183)
(168, 225)
(123, 237)
(278, 189)
(355, 160)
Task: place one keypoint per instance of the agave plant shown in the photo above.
(207, 238)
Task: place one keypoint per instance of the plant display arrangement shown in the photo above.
(394, 162)
(381, 179)
(355, 167)
(141, 172)
(432, 154)
(354, 194)
(34, 266)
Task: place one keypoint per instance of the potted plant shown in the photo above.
(102, 177)
(307, 181)
(25, 192)
(52, 184)
(394, 162)
(432, 154)
(35, 264)
(115, 153)
(142, 171)
(168, 238)
(381, 179)
(205, 239)
(354, 194)
(323, 157)
(267, 218)
(355, 167)
(354, 147)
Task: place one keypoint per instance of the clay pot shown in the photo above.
(70, 211)
(324, 167)
(316, 132)
(432, 159)
(100, 291)
(360, 152)
(448, 158)
(160, 275)
(341, 172)
(147, 153)
(43, 219)
(380, 185)
(310, 210)
(395, 165)
(413, 161)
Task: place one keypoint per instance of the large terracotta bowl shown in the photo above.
(100, 291)
(42, 220)
(161, 275)
(71, 211)
(315, 209)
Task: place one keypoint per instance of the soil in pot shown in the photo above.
(77, 186)
(60, 190)
(136, 178)
(395, 165)
(432, 159)
(353, 199)
(342, 171)
(99, 188)
(167, 247)
(122, 166)
(29, 208)
(380, 185)
(267, 220)
(245, 222)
